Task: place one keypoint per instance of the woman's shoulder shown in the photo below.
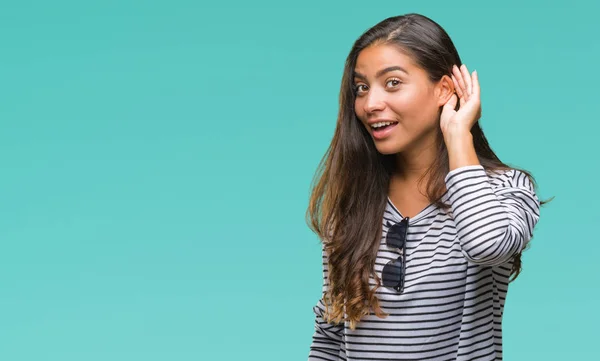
(508, 176)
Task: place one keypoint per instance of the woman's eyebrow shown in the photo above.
(381, 72)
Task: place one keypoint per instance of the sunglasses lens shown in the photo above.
(393, 274)
(396, 235)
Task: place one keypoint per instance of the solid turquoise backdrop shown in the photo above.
(156, 159)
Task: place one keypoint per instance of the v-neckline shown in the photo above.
(415, 218)
(421, 213)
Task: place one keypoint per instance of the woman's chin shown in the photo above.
(388, 149)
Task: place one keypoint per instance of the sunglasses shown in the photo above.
(393, 272)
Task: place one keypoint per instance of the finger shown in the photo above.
(459, 92)
(458, 76)
(457, 87)
(476, 88)
(467, 77)
(460, 80)
(451, 103)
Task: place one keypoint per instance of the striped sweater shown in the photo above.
(457, 268)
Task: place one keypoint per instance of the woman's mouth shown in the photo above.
(383, 131)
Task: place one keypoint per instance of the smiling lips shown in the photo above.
(382, 132)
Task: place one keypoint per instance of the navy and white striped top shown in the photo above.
(457, 268)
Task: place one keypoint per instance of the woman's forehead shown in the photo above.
(373, 59)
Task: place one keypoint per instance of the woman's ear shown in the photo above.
(445, 90)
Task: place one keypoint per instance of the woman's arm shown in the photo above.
(493, 222)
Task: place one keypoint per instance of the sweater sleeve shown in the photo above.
(327, 338)
(494, 220)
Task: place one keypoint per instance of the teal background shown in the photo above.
(156, 159)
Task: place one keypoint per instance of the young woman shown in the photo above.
(422, 225)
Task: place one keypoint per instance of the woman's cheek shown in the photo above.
(400, 103)
(358, 109)
(407, 102)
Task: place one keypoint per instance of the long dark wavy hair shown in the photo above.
(350, 187)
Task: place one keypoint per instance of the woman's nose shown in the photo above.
(374, 102)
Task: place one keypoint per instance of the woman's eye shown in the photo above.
(357, 88)
(396, 82)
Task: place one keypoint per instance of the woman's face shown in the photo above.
(391, 87)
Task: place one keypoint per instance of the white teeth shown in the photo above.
(381, 124)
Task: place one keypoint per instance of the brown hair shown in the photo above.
(349, 191)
